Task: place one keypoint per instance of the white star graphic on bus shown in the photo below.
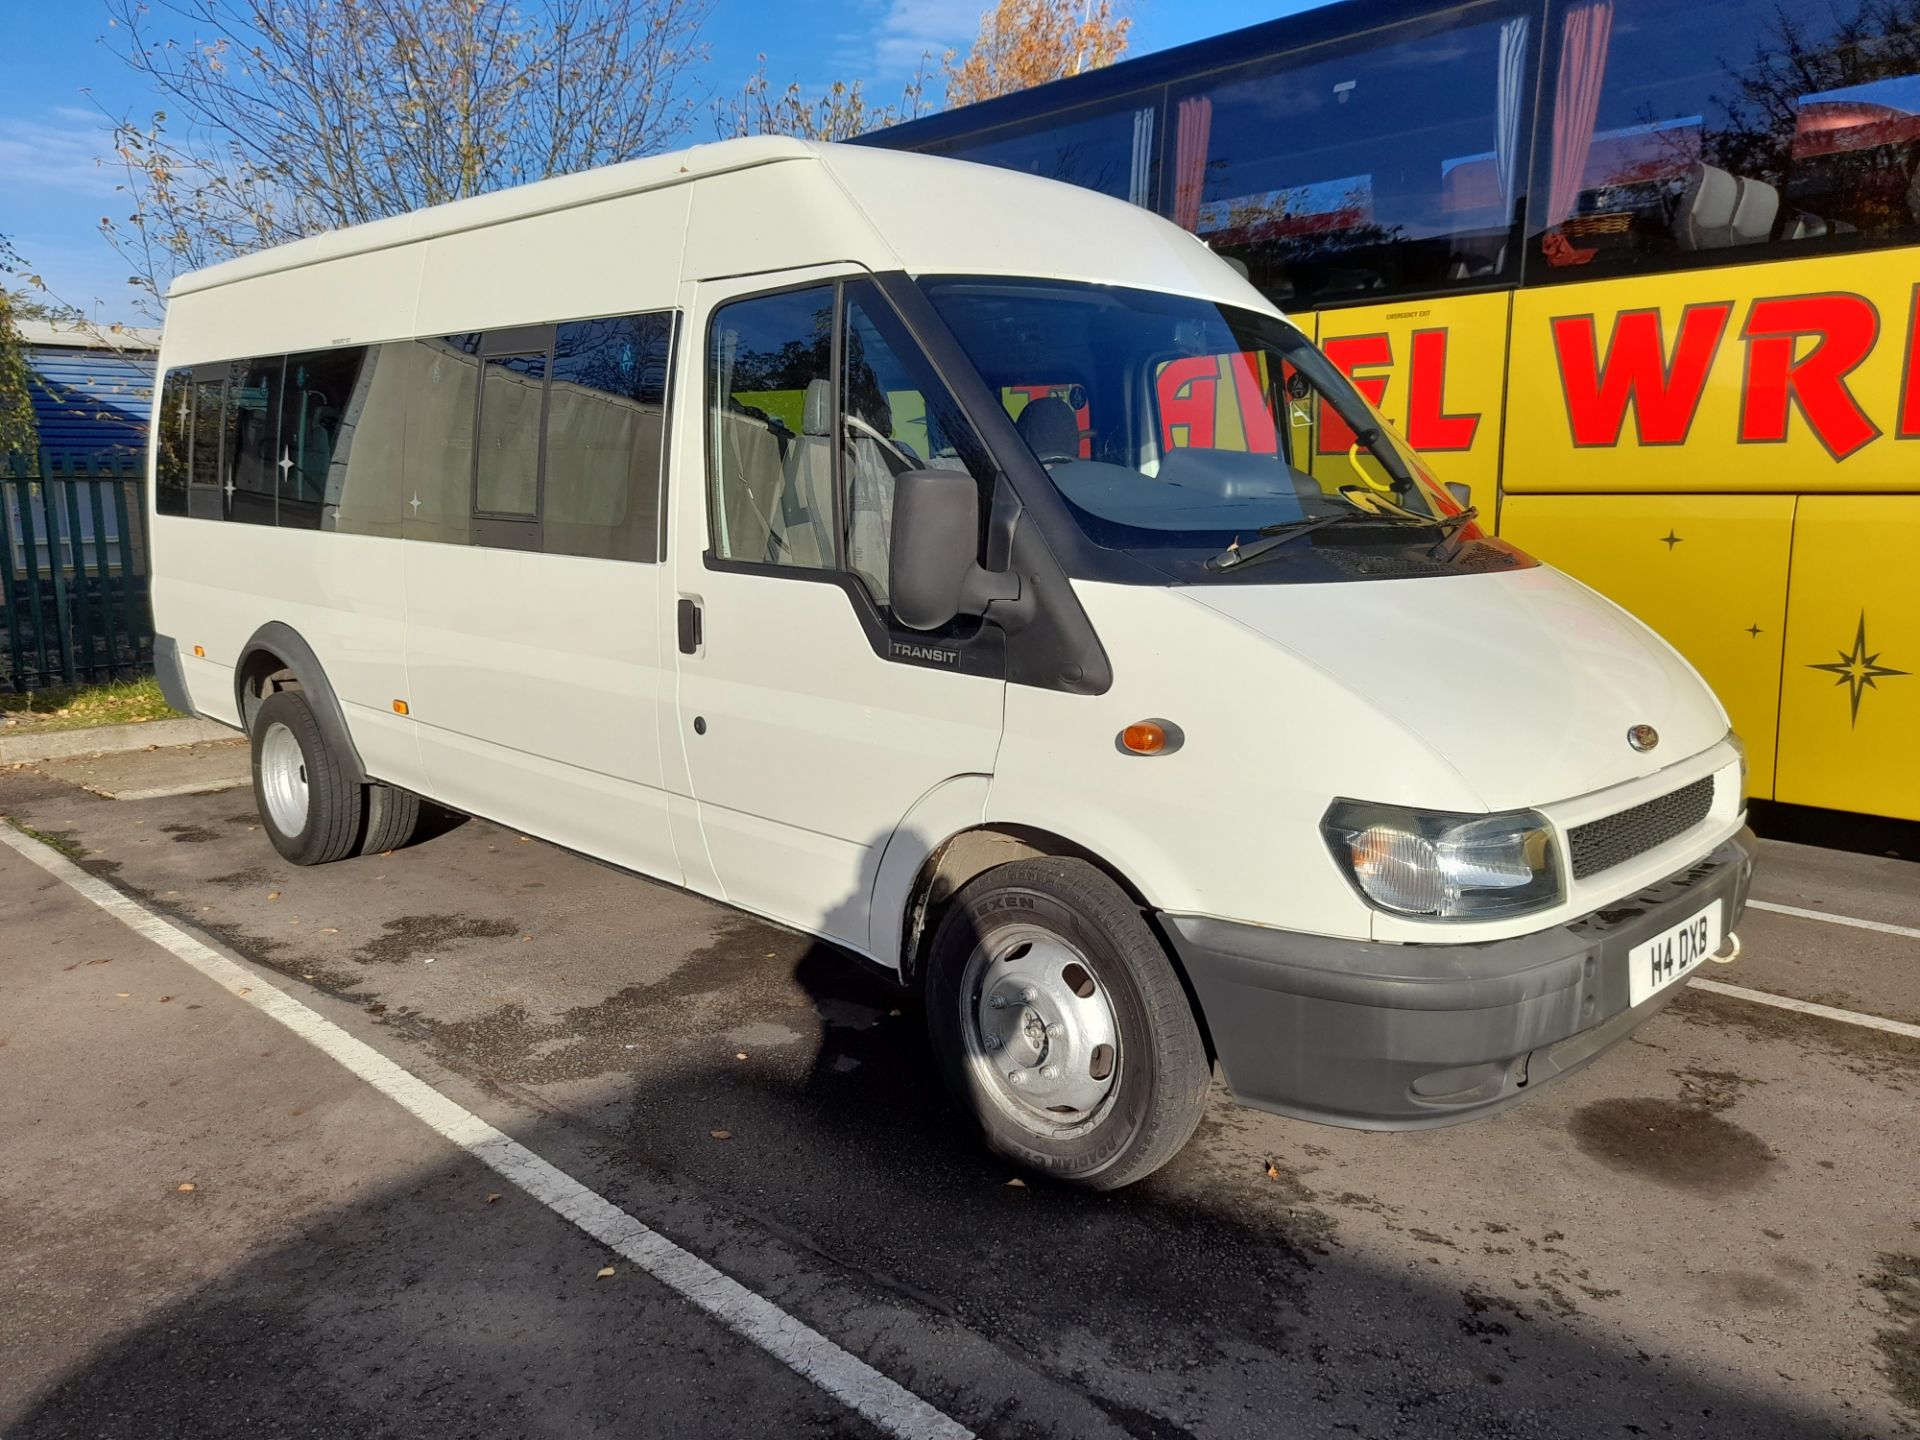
(228, 487)
(286, 463)
(414, 503)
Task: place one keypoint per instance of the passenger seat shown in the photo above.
(806, 500)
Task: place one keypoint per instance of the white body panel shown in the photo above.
(547, 690)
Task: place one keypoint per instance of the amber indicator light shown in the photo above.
(400, 707)
(1144, 737)
(201, 651)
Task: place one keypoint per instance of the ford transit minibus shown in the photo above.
(966, 569)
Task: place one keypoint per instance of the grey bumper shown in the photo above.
(1396, 1037)
(173, 680)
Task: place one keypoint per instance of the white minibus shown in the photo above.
(947, 563)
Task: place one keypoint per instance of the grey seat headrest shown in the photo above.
(1050, 429)
(816, 417)
(1704, 217)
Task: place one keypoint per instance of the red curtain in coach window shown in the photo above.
(1190, 160)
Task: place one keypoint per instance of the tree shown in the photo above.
(1024, 43)
(286, 117)
(17, 428)
(841, 113)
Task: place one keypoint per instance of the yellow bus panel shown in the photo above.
(1437, 369)
(1797, 376)
(1709, 572)
(1850, 688)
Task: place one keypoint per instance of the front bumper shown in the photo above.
(1401, 1037)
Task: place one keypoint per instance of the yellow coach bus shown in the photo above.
(1643, 276)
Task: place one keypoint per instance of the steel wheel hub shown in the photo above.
(1041, 1031)
(283, 779)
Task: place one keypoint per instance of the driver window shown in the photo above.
(896, 416)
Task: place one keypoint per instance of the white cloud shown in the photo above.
(61, 152)
(908, 29)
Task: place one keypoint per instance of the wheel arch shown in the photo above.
(277, 649)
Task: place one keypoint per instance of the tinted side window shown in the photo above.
(606, 426)
(1727, 129)
(1392, 166)
(174, 442)
(513, 392)
(254, 394)
(1112, 153)
(363, 477)
(769, 429)
(315, 440)
(206, 467)
(442, 391)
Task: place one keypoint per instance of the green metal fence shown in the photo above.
(73, 569)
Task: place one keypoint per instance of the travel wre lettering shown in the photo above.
(1800, 354)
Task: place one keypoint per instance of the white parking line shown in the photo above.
(1807, 1007)
(1911, 932)
(856, 1384)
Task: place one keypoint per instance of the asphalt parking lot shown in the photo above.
(214, 1228)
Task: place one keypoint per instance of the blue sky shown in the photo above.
(57, 76)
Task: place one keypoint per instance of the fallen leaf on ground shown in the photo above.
(329, 929)
(165, 998)
(721, 1134)
(1273, 1171)
(273, 895)
(124, 994)
(1016, 1183)
(493, 1197)
(605, 1272)
(185, 1185)
(244, 990)
(105, 960)
(740, 1055)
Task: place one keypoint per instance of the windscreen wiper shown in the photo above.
(1274, 536)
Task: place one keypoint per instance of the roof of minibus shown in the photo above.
(885, 209)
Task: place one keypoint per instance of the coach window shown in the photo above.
(173, 443)
(1110, 151)
(1392, 165)
(363, 478)
(317, 398)
(254, 395)
(605, 427)
(769, 430)
(206, 468)
(1723, 130)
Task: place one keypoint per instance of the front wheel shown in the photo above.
(1061, 1027)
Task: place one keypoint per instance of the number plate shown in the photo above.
(1656, 963)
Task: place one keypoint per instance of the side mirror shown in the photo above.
(1461, 493)
(932, 575)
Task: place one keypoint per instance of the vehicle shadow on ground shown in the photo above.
(1214, 1298)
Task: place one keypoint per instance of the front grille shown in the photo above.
(1615, 839)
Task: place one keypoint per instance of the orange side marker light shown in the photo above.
(200, 651)
(1144, 737)
(400, 708)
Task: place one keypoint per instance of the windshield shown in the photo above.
(1193, 436)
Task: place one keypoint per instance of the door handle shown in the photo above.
(690, 630)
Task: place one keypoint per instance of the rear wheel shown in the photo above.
(1061, 1026)
(393, 819)
(310, 808)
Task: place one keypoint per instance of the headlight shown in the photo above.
(1449, 867)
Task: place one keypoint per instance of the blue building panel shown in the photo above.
(87, 401)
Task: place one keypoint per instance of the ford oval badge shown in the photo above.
(1643, 737)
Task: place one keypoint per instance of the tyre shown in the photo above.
(393, 819)
(310, 809)
(1061, 1027)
